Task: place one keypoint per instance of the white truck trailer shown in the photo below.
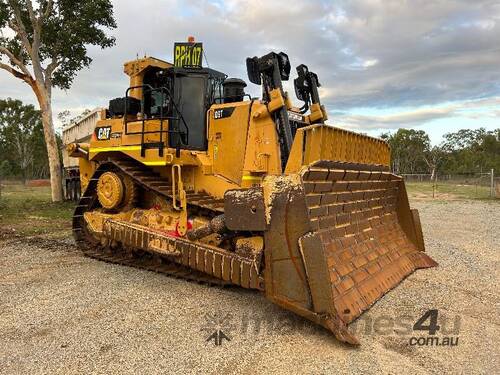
(79, 131)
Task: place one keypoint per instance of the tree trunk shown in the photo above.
(433, 173)
(50, 140)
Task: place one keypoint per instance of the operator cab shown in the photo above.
(180, 95)
(171, 101)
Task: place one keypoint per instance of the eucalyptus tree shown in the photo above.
(44, 43)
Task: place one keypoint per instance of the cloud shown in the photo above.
(474, 109)
(368, 53)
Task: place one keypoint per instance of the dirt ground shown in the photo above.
(63, 313)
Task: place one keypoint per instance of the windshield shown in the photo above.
(215, 91)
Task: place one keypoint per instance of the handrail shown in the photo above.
(162, 90)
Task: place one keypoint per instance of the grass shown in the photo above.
(30, 211)
(447, 191)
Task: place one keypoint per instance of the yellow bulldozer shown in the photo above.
(190, 176)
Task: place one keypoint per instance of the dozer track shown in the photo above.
(119, 255)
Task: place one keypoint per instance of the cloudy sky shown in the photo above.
(383, 64)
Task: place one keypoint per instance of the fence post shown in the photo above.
(492, 183)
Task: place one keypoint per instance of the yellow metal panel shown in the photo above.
(262, 152)
(251, 178)
(277, 101)
(323, 142)
(136, 69)
(295, 160)
(94, 150)
(214, 185)
(227, 137)
(155, 163)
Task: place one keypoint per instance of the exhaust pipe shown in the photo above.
(78, 150)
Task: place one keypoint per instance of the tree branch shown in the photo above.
(16, 73)
(48, 10)
(51, 67)
(19, 26)
(49, 71)
(32, 48)
(31, 12)
(427, 161)
(14, 60)
(37, 26)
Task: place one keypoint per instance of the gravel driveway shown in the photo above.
(63, 313)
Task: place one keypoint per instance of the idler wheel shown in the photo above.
(110, 190)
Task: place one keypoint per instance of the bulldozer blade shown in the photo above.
(340, 236)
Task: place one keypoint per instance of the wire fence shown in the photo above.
(465, 185)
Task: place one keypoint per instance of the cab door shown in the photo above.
(190, 95)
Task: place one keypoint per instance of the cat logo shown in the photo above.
(188, 55)
(103, 133)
